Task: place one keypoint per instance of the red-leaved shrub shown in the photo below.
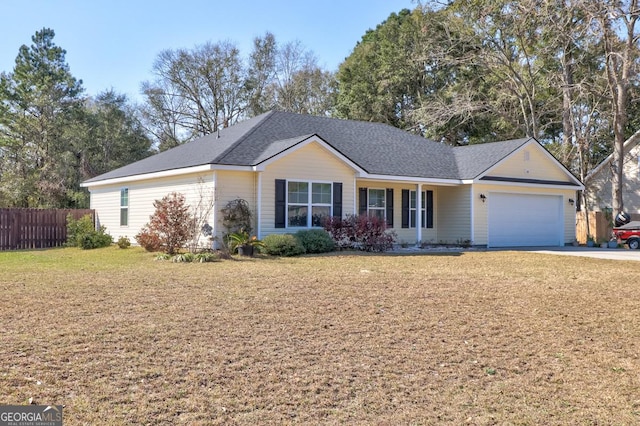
(360, 232)
(170, 226)
(150, 241)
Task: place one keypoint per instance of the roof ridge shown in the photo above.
(236, 144)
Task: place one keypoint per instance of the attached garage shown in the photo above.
(524, 220)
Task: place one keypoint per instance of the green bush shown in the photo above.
(315, 240)
(124, 242)
(95, 239)
(282, 245)
(76, 228)
(82, 233)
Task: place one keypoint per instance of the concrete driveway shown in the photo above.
(595, 252)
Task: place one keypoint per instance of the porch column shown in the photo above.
(418, 214)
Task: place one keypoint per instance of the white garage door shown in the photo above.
(524, 220)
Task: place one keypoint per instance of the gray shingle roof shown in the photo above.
(473, 160)
(376, 148)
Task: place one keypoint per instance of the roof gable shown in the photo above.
(628, 148)
(522, 160)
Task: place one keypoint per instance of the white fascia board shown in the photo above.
(317, 139)
(167, 173)
(232, 168)
(146, 176)
(411, 180)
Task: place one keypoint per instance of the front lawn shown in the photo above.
(466, 338)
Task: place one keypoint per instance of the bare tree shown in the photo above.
(196, 91)
(617, 23)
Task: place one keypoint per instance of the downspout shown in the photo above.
(419, 215)
(259, 207)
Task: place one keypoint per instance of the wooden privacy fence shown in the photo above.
(22, 229)
(600, 226)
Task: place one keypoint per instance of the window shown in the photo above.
(412, 209)
(376, 205)
(124, 207)
(308, 203)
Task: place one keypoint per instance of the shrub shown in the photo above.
(205, 256)
(124, 242)
(282, 245)
(360, 232)
(82, 233)
(150, 241)
(76, 228)
(341, 231)
(183, 258)
(170, 227)
(236, 216)
(95, 239)
(315, 240)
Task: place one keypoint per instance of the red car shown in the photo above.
(629, 234)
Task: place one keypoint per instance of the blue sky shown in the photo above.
(112, 44)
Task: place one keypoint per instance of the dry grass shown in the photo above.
(471, 338)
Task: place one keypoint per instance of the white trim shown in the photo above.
(155, 175)
(419, 223)
(124, 188)
(472, 209)
(309, 203)
(303, 143)
(355, 196)
(214, 182)
(384, 208)
(411, 180)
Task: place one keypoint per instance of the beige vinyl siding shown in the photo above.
(599, 187)
(453, 206)
(232, 185)
(106, 200)
(311, 162)
(405, 235)
(481, 209)
(530, 162)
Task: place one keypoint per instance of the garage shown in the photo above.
(524, 220)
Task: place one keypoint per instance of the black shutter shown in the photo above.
(337, 199)
(281, 203)
(362, 201)
(405, 208)
(429, 209)
(390, 207)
